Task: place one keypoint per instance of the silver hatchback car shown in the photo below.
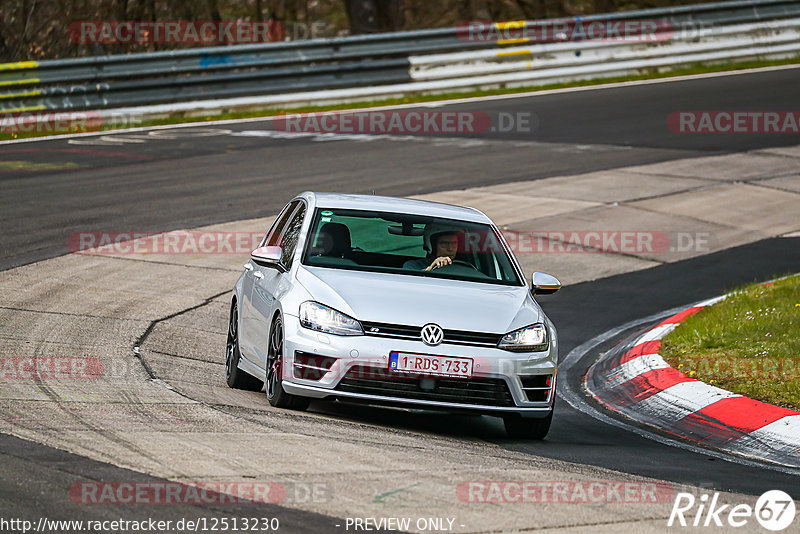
(393, 301)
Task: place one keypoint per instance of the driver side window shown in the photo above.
(291, 235)
(274, 237)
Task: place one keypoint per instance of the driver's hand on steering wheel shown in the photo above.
(441, 261)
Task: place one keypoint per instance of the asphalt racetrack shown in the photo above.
(186, 178)
(174, 179)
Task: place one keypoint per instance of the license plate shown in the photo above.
(426, 364)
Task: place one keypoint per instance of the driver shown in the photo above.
(441, 242)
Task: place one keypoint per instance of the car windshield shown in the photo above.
(412, 245)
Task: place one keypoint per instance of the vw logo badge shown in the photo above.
(432, 334)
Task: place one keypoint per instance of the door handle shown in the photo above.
(248, 266)
(258, 274)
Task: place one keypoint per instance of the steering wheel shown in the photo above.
(459, 262)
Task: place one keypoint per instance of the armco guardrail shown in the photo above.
(419, 61)
(521, 65)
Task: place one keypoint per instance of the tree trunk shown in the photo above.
(363, 16)
(604, 6)
(480, 10)
(390, 15)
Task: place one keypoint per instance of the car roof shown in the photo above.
(396, 205)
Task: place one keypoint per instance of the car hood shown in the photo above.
(416, 300)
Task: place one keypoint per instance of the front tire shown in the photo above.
(527, 428)
(276, 395)
(235, 377)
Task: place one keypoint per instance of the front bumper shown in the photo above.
(369, 351)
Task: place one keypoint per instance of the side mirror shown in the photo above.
(544, 284)
(268, 257)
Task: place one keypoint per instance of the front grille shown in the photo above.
(472, 338)
(311, 366)
(391, 330)
(536, 387)
(388, 383)
(456, 337)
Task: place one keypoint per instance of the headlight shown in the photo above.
(528, 339)
(317, 316)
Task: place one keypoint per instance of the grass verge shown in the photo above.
(271, 111)
(748, 343)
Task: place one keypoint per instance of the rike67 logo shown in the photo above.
(774, 510)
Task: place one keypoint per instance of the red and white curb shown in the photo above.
(639, 384)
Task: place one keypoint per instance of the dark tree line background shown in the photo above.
(38, 29)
